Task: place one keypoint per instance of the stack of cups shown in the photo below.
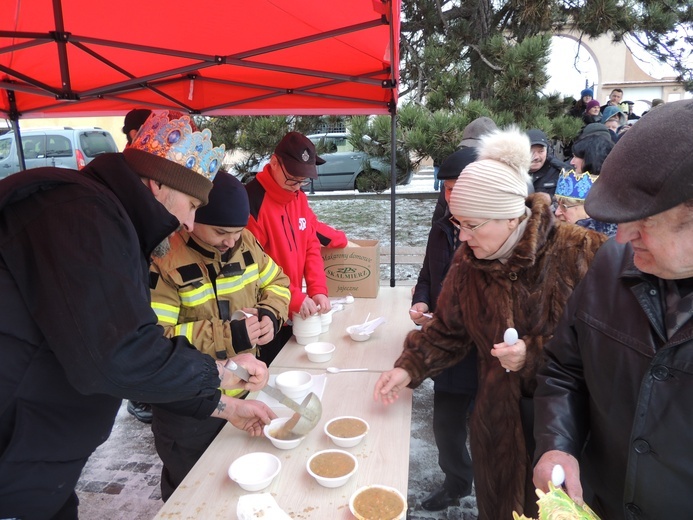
(325, 320)
(306, 330)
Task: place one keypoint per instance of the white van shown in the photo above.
(63, 147)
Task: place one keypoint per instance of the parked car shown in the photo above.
(345, 168)
(62, 147)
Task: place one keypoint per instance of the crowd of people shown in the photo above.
(140, 276)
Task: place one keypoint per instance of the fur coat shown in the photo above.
(479, 300)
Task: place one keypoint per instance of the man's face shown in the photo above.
(538, 157)
(284, 178)
(448, 185)
(615, 97)
(663, 243)
(221, 238)
(612, 123)
(180, 205)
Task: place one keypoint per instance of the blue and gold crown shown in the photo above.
(173, 136)
(574, 186)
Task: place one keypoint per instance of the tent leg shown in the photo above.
(393, 194)
(14, 118)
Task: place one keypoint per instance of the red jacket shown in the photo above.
(286, 228)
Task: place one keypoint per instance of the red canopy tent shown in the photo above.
(66, 58)
(80, 57)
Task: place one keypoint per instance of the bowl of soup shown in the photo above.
(332, 468)
(280, 436)
(378, 503)
(346, 431)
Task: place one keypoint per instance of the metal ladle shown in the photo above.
(307, 414)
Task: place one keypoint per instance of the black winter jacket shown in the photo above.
(440, 248)
(77, 333)
(615, 387)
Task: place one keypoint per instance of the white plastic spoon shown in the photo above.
(335, 370)
(558, 475)
(510, 337)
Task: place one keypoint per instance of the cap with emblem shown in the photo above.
(297, 154)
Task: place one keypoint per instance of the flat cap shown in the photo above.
(650, 170)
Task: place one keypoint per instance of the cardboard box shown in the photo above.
(353, 270)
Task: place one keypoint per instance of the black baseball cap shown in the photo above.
(297, 154)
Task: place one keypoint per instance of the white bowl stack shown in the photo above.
(306, 330)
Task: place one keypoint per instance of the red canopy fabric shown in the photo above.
(61, 58)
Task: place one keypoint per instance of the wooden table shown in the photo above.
(378, 353)
(383, 457)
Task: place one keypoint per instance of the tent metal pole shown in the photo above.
(393, 194)
(14, 118)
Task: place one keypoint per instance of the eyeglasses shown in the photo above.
(293, 181)
(467, 229)
(564, 207)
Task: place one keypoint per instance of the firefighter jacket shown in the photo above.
(195, 289)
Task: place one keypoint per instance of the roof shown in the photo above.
(63, 58)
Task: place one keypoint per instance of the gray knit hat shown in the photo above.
(650, 170)
(495, 185)
(170, 149)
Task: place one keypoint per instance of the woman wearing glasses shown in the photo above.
(516, 267)
(589, 152)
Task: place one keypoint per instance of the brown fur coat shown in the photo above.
(479, 300)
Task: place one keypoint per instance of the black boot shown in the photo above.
(440, 499)
(141, 411)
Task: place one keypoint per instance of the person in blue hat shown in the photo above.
(579, 106)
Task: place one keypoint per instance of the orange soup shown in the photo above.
(378, 504)
(347, 428)
(332, 464)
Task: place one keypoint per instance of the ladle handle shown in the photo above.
(274, 393)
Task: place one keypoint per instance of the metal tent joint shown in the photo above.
(60, 36)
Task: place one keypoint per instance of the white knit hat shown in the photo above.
(495, 185)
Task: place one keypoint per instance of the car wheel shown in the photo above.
(372, 180)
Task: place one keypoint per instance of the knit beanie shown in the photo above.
(591, 104)
(170, 149)
(587, 92)
(495, 185)
(228, 204)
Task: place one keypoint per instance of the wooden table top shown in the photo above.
(378, 353)
(383, 457)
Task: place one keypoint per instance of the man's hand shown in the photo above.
(417, 313)
(511, 357)
(266, 331)
(389, 384)
(543, 469)
(245, 414)
(259, 375)
(322, 301)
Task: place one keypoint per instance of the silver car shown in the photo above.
(346, 168)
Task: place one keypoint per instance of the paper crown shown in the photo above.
(171, 136)
(575, 186)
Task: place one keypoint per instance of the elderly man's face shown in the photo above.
(663, 243)
(538, 157)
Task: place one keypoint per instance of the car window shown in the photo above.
(58, 146)
(96, 143)
(5, 147)
(34, 146)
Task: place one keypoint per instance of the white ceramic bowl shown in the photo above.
(282, 444)
(355, 335)
(332, 482)
(385, 489)
(342, 439)
(310, 326)
(320, 351)
(294, 383)
(255, 471)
